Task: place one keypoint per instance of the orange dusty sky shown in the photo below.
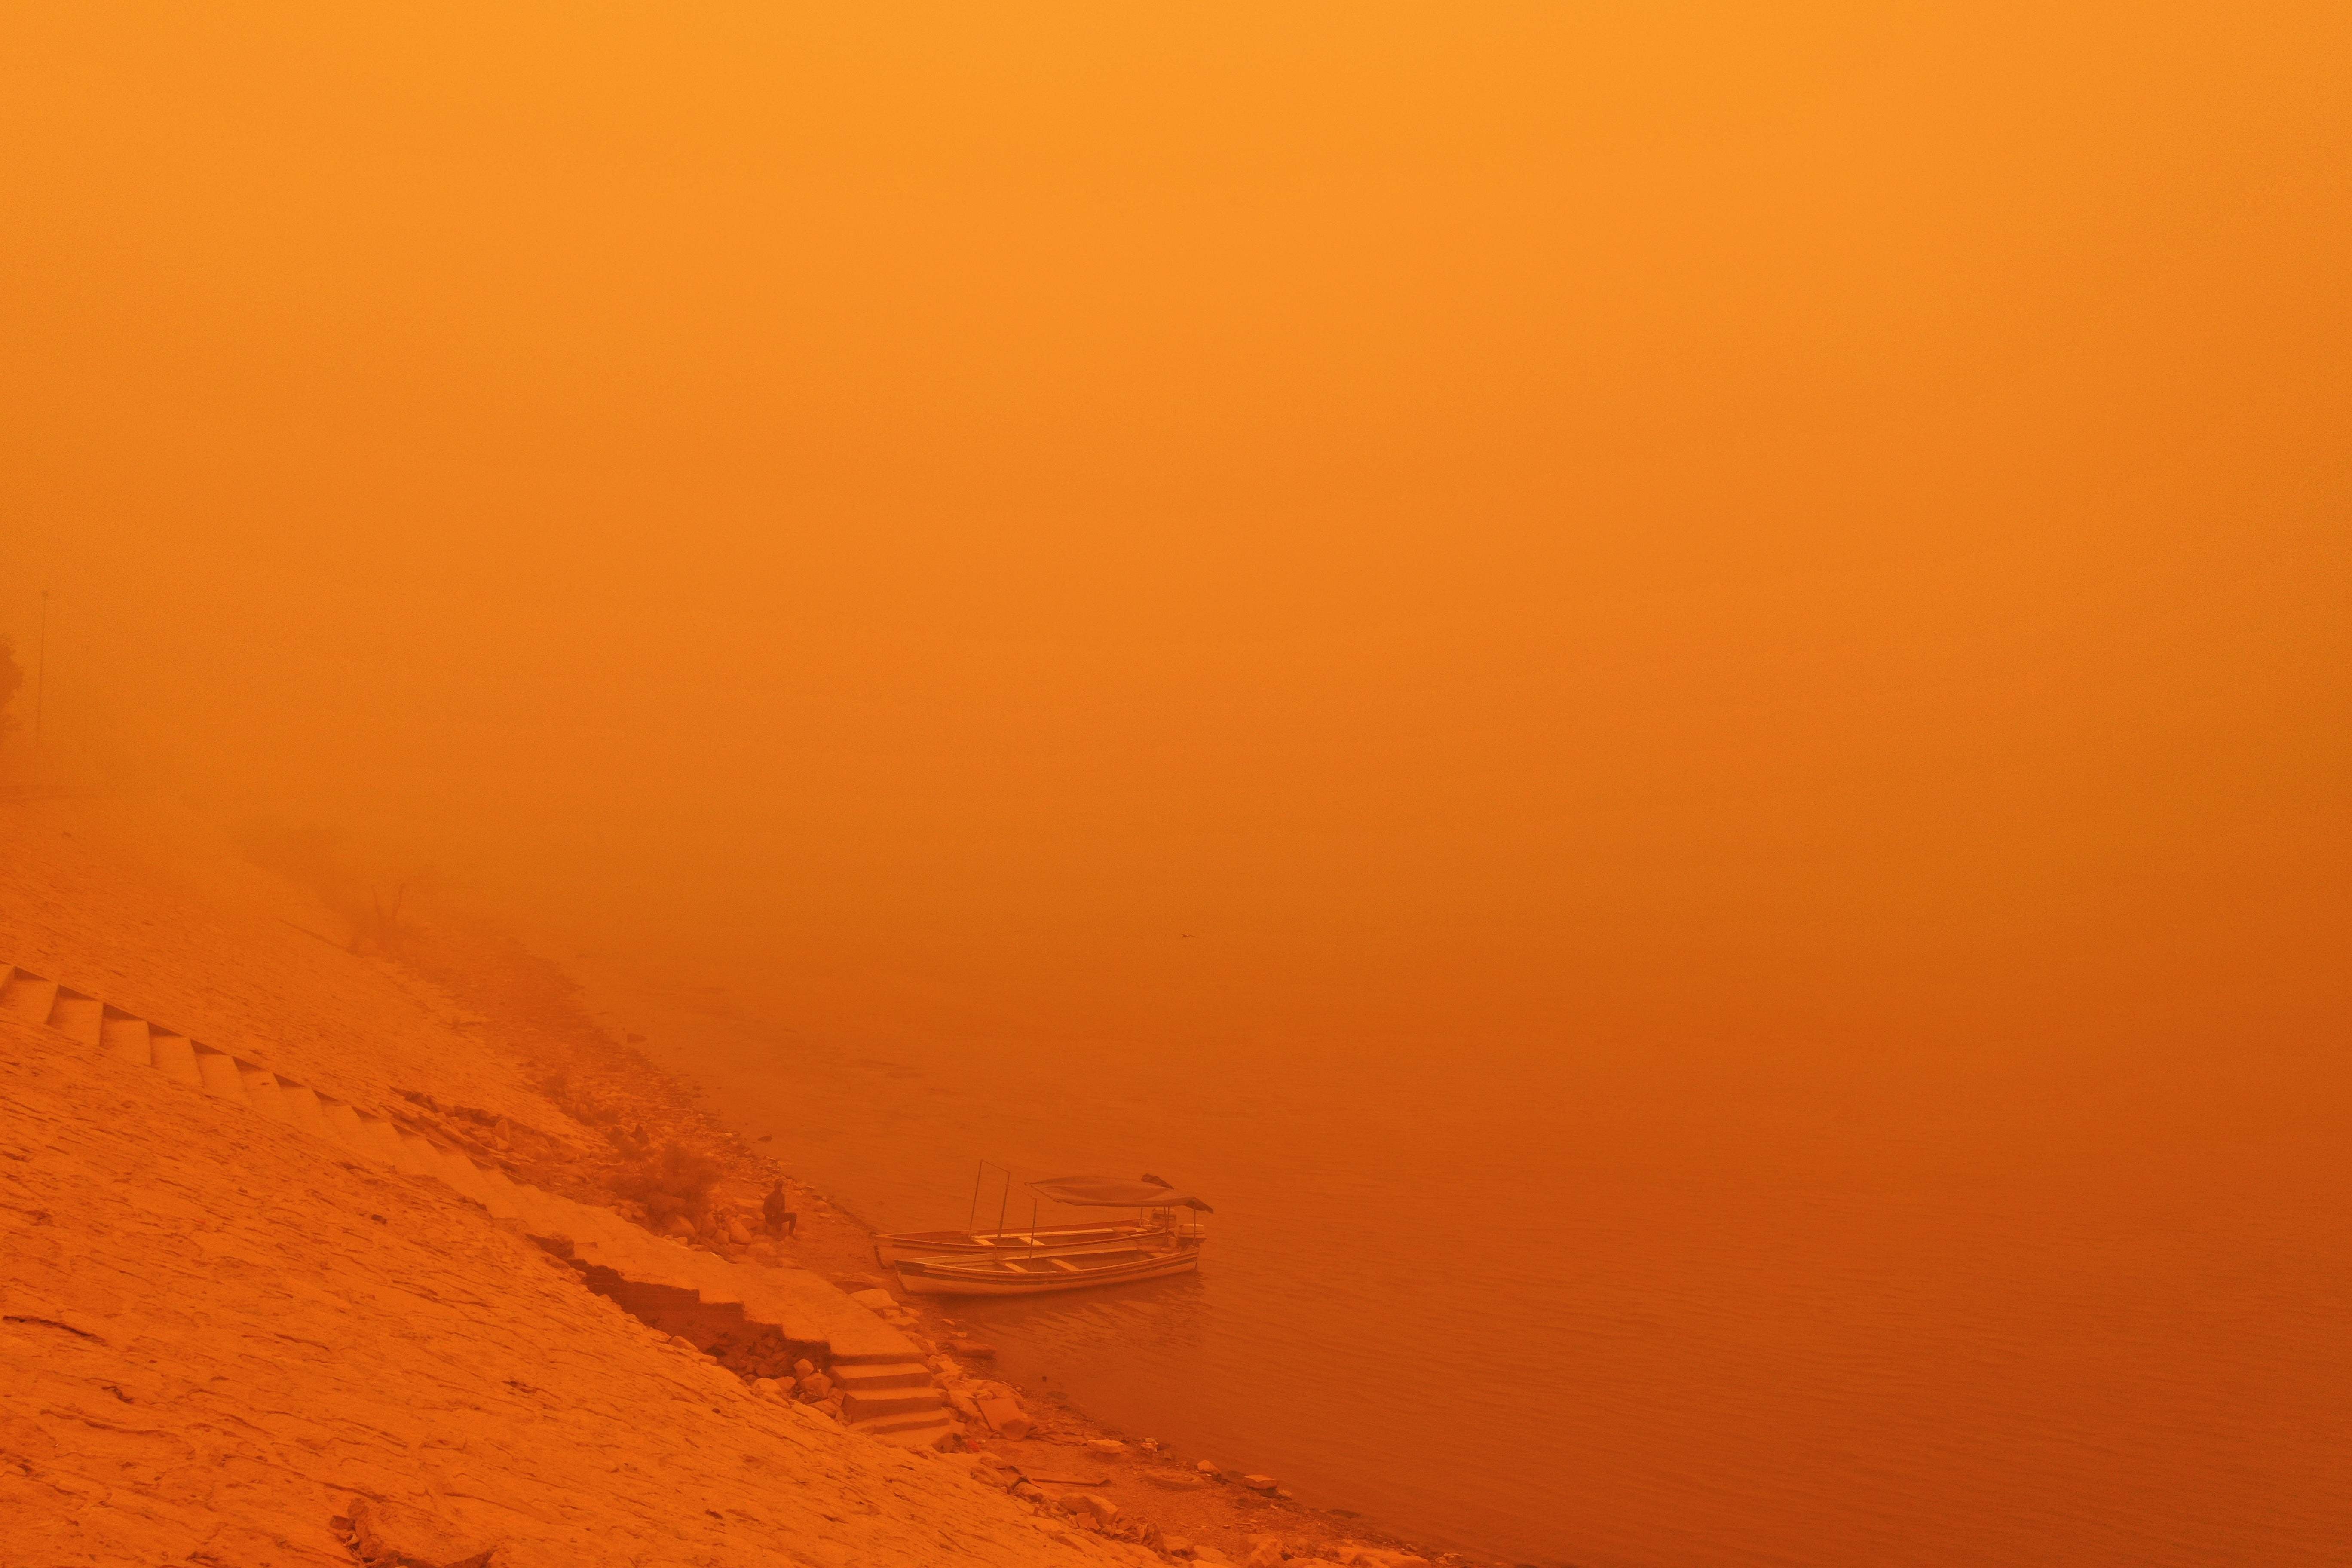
(1786, 525)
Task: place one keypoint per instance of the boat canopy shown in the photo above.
(1116, 1192)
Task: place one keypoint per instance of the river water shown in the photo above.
(1641, 1315)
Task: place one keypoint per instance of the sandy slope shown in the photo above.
(143, 908)
(220, 1337)
(215, 1340)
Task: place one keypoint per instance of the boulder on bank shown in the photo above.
(1004, 1416)
(386, 1534)
(1100, 1508)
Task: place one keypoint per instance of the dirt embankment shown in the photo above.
(191, 1294)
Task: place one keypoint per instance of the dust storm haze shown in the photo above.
(1799, 550)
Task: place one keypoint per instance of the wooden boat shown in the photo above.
(1033, 1274)
(888, 1249)
(1164, 1237)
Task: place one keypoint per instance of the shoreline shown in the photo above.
(612, 1080)
(465, 1035)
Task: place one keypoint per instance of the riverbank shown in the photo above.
(142, 1272)
(593, 1024)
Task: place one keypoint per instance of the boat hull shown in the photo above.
(888, 1249)
(1039, 1275)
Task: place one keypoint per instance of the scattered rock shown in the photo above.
(767, 1388)
(1209, 1468)
(803, 1367)
(1175, 1546)
(971, 1350)
(1005, 1417)
(1259, 1483)
(995, 1472)
(542, 1555)
(394, 1535)
(874, 1300)
(1265, 1552)
(1177, 1480)
(1107, 1446)
(816, 1386)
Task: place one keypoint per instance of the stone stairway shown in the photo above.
(885, 1387)
(892, 1400)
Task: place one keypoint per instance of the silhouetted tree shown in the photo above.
(12, 678)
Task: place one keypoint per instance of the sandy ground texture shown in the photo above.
(217, 1342)
(226, 1337)
(151, 909)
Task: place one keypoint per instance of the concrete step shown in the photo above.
(348, 1130)
(416, 1157)
(380, 1136)
(868, 1404)
(216, 1071)
(261, 1092)
(921, 1433)
(125, 1038)
(461, 1176)
(302, 1109)
(175, 1057)
(498, 1194)
(881, 1375)
(78, 1015)
(27, 997)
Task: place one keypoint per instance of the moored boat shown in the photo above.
(888, 1249)
(1162, 1252)
(1164, 1237)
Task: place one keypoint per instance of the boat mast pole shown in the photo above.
(1004, 1202)
(971, 1216)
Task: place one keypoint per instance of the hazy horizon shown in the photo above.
(1783, 526)
(1760, 590)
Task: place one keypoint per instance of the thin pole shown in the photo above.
(971, 1215)
(41, 669)
(1003, 1203)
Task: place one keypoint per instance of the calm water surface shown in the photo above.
(1566, 1315)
